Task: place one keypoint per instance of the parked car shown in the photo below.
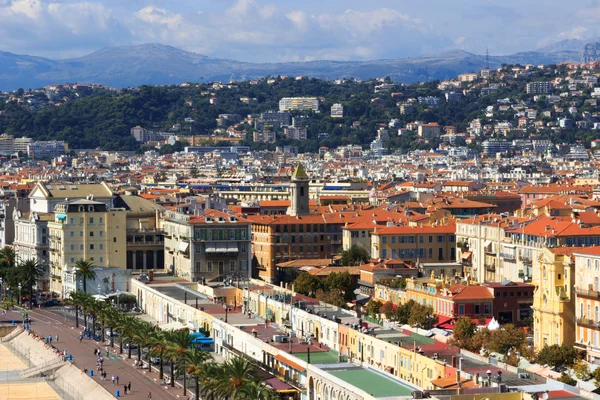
(51, 303)
(155, 360)
(107, 332)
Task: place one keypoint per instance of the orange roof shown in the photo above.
(416, 230)
(462, 292)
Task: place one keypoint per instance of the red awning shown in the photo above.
(290, 363)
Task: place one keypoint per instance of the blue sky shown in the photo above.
(285, 30)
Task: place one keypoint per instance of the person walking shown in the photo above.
(125, 389)
(117, 379)
(57, 338)
(149, 395)
(129, 386)
(113, 379)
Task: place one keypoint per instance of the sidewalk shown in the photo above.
(46, 323)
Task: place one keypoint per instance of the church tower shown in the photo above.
(299, 192)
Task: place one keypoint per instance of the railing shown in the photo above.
(508, 256)
(590, 323)
(594, 294)
(490, 267)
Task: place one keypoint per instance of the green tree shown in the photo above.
(85, 271)
(565, 378)
(342, 282)
(463, 332)
(356, 255)
(306, 284)
(179, 342)
(236, 375)
(556, 355)
(373, 307)
(159, 344)
(421, 316)
(388, 309)
(257, 390)
(581, 370)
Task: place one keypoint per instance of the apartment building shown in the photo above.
(587, 302)
(299, 103)
(295, 133)
(211, 246)
(337, 111)
(539, 87)
(431, 130)
(423, 244)
(86, 230)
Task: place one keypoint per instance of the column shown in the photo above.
(144, 258)
(134, 255)
(155, 259)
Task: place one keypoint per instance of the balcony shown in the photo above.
(509, 257)
(590, 294)
(490, 267)
(490, 252)
(588, 323)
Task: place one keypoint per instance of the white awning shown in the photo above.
(175, 325)
(487, 243)
(221, 248)
(183, 246)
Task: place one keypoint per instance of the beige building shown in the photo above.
(85, 230)
(213, 247)
(554, 298)
(587, 302)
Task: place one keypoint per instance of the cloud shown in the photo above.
(578, 32)
(57, 28)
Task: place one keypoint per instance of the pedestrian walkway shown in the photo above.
(46, 323)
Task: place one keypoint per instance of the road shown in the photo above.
(48, 322)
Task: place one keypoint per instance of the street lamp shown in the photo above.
(1, 288)
(225, 307)
(19, 286)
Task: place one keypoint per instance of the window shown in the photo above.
(209, 266)
(72, 260)
(243, 265)
(461, 309)
(430, 239)
(232, 266)
(101, 233)
(383, 240)
(91, 247)
(101, 220)
(440, 239)
(441, 254)
(81, 220)
(101, 259)
(91, 220)
(421, 239)
(243, 247)
(71, 221)
(476, 307)
(114, 240)
(72, 233)
(91, 233)
(80, 233)
(384, 253)
(101, 247)
(393, 239)
(72, 247)
(80, 247)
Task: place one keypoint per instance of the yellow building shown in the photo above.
(85, 230)
(423, 290)
(587, 302)
(554, 299)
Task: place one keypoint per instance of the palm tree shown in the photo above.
(78, 299)
(85, 271)
(257, 390)
(179, 342)
(195, 360)
(30, 272)
(236, 375)
(128, 327)
(143, 332)
(210, 389)
(158, 343)
(8, 261)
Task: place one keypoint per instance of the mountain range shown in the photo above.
(157, 64)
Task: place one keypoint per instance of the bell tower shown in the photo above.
(299, 192)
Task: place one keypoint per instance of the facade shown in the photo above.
(295, 133)
(495, 146)
(587, 302)
(273, 120)
(299, 103)
(337, 111)
(210, 247)
(554, 298)
(429, 131)
(539, 88)
(84, 230)
(46, 149)
(10, 144)
(423, 244)
(264, 136)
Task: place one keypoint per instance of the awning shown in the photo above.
(466, 255)
(279, 386)
(389, 368)
(221, 248)
(176, 325)
(487, 243)
(289, 363)
(183, 246)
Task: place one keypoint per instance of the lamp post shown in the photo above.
(1, 288)
(19, 286)
(225, 307)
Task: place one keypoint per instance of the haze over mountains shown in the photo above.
(159, 64)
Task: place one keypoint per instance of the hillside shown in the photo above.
(156, 64)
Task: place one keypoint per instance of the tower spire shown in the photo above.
(487, 59)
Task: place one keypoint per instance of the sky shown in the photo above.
(302, 30)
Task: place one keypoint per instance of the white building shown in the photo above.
(299, 103)
(337, 111)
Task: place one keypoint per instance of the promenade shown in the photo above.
(46, 323)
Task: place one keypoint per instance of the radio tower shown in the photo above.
(487, 59)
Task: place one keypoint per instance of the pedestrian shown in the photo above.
(113, 379)
(125, 389)
(129, 386)
(50, 339)
(80, 338)
(149, 395)
(117, 379)
(57, 338)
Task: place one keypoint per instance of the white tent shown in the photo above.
(493, 325)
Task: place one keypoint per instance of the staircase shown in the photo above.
(38, 369)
